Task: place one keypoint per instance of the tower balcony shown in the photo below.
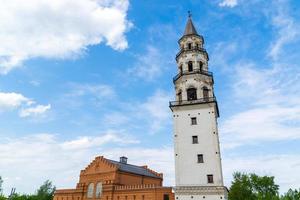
(193, 49)
(186, 72)
(194, 102)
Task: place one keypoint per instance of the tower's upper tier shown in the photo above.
(191, 41)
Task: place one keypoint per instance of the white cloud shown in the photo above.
(89, 142)
(283, 167)
(26, 106)
(59, 29)
(148, 66)
(34, 111)
(269, 99)
(12, 100)
(157, 111)
(229, 3)
(44, 156)
(97, 90)
(270, 123)
(116, 118)
(154, 113)
(287, 29)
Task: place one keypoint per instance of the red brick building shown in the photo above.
(105, 179)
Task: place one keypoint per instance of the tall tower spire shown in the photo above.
(195, 111)
(190, 28)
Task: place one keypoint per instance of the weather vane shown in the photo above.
(190, 14)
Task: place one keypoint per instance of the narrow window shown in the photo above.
(191, 94)
(210, 178)
(190, 45)
(201, 65)
(200, 158)
(197, 46)
(193, 120)
(205, 93)
(190, 66)
(166, 197)
(195, 139)
(90, 192)
(179, 95)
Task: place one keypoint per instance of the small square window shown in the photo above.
(195, 139)
(210, 178)
(193, 120)
(200, 158)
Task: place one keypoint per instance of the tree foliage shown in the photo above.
(45, 192)
(291, 195)
(1, 181)
(253, 187)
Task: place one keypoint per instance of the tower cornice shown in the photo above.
(193, 49)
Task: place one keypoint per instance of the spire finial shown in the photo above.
(189, 14)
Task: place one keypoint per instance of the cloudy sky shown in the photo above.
(94, 77)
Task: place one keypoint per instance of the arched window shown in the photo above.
(201, 65)
(190, 66)
(191, 94)
(99, 190)
(190, 45)
(90, 192)
(205, 93)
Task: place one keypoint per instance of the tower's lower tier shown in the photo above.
(201, 192)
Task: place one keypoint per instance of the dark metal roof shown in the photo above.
(190, 28)
(134, 169)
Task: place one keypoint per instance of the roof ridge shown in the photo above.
(152, 171)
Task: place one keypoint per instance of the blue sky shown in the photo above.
(85, 78)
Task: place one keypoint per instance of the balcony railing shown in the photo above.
(207, 73)
(192, 102)
(191, 49)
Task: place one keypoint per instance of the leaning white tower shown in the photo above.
(197, 151)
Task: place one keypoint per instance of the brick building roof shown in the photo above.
(134, 169)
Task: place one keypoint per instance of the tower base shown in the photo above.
(201, 192)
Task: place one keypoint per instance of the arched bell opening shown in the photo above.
(191, 94)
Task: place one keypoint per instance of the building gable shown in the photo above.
(99, 165)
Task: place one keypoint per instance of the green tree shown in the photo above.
(1, 182)
(241, 188)
(253, 187)
(46, 191)
(23, 197)
(291, 195)
(1, 194)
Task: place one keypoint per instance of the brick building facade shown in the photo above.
(105, 179)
